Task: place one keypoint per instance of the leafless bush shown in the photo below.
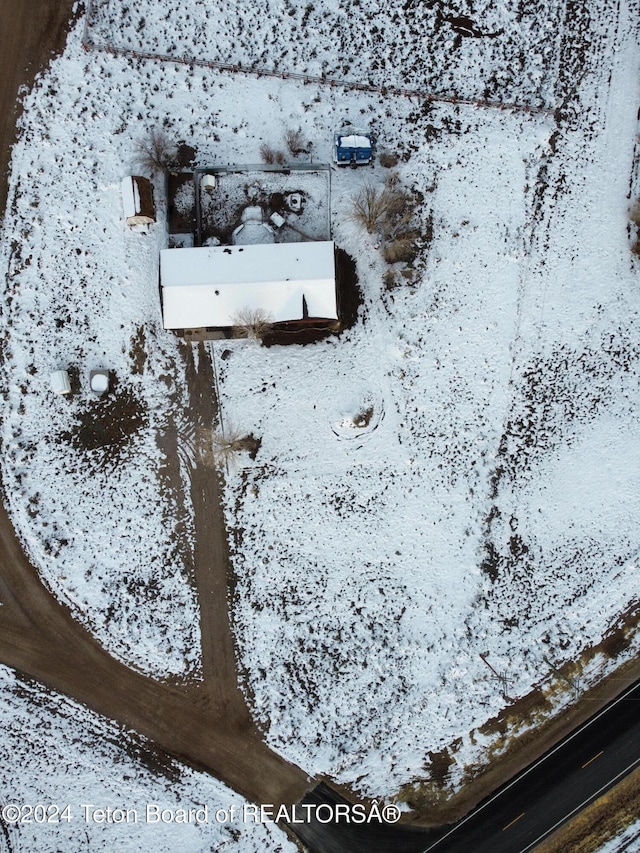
(271, 155)
(156, 152)
(402, 248)
(221, 448)
(225, 447)
(381, 210)
(389, 280)
(252, 323)
(388, 159)
(295, 143)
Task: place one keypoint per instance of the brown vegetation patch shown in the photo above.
(533, 702)
(138, 352)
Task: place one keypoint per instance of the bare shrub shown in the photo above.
(271, 155)
(252, 323)
(295, 143)
(380, 210)
(388, 159)
(363, 419)
(156, 152)
(369, 207)
(267, 153)
(389, 280)
(402, 248)
(221, 448)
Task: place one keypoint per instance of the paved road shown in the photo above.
(557, 786)
(516, 818)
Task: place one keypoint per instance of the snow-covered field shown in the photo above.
(470, 49)
(54, 753)
(93, 510)
(489, 505)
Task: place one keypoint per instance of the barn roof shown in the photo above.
(208, 286)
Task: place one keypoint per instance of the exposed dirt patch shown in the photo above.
(108, 425)
(182, 203)
(138, 352)
(350, 295)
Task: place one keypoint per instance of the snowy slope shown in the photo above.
(492, 510)
(626, 842)
(79, 288)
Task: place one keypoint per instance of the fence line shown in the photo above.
(237, 68)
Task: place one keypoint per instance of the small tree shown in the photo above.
(156, 152)
(252, 323)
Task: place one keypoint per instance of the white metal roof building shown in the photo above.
(206, 287)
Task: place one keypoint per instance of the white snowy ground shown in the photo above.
(388, 42)
(360, 565)
(627, 842)
(361, 605)
(79, 285)
(56, 753)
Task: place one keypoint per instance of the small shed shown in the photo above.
(208, 182)
(352, 148)
(137, 200)
(60, 383)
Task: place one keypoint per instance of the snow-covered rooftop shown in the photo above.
(208, 286)
(130, 197)
(354, 141)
